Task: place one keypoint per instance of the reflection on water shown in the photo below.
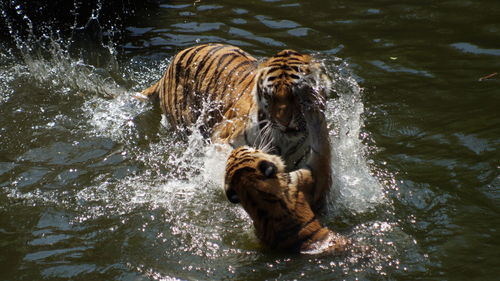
(470, 48)
(94, 187)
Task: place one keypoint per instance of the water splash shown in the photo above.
(7, 75)
(174, 182)
(111, 113)
(114, 118)
(54, 61)
(356, 190)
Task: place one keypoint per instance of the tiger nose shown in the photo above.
(283, 115)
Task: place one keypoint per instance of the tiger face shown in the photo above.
(260, 170)
(280, 80)
(282, 217)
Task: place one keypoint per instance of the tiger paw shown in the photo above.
(309, 98)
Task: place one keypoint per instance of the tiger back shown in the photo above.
(209, 81)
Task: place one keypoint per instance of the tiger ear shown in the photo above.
(320, 74)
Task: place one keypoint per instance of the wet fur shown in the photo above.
(282, 204)
(276, 202)
(244, 102)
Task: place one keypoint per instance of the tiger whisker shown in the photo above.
(266, 141)
(260, 134)
(230, 97)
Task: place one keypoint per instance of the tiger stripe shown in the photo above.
(245, 102)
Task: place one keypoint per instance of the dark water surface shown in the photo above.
(93, 187)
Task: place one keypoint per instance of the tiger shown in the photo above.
(279, 202)
(241, 101)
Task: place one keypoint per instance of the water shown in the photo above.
(94, 187)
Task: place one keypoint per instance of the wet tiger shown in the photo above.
(281, 204)
(243, 102)
(277, 203)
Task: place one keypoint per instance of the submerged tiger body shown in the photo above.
(281, 204)
(235, 100)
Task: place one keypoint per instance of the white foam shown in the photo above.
(114, 118)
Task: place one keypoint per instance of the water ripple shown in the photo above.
(94, 187)
(474, 49)
(400, 69)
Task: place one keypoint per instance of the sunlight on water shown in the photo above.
(48, 60)
(95, 187)
(110, 112)
(178, 178)
(186, 173)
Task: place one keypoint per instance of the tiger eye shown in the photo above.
(268, 169)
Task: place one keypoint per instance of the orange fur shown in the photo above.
(244, 102)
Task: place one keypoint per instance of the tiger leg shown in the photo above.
(319, 159)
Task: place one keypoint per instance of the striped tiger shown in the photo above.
(279, 203)
(240, 101)
(276, 203)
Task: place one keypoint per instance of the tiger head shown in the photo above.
(255, 168)
(280, 80)
(281, 215)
